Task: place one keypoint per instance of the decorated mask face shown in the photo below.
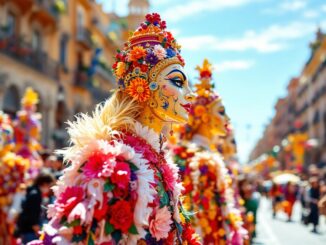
(171, 95)
(219, 122)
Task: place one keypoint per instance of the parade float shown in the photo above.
(120, 186)
(27, 131)
(12, 170)
(208, 185)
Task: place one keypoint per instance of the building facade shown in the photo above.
(64, 49)
(303, 109)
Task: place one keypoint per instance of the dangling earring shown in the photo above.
(171, 129)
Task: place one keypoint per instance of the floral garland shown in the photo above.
(118, 192)
(12, 169)
(149, 45)
(209, 195)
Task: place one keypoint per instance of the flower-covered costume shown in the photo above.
(27, 128)
(208, 185)
(123, 191)
(120, 186)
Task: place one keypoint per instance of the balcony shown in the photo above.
(86, 3)
(84, 37)
(81, 78)
(105, 73)
(44, 12)
(23, 5)
(22, 52)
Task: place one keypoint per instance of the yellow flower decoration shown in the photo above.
(199, 110)
(121, 69)
(139, 89)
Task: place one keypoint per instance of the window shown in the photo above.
(37, 41)
(63, 49)
(11, 24)
(80, 22)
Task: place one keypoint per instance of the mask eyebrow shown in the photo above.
(176, 70)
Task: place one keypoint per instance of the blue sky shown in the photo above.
(256, 46)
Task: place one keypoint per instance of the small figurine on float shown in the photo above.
(121, 187)
(208, 185)
(12, 169)
(27, 129)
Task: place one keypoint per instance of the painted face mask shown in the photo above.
(208, 108)
(150, 70)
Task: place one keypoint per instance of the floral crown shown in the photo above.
(206, 95)
(148, 51)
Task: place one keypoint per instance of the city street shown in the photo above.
(279, 232)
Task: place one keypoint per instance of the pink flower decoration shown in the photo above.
(99, 165)
(159, 51)
(69, 199)
(79, 212)
(168, 177)
(159, 226)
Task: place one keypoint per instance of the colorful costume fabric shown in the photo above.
(12, 170)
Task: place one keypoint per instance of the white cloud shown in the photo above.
(323, 8)
(286, 6)
(311, 14)
(273, 38)
(233, 65)
(293, 5)
(193, 7)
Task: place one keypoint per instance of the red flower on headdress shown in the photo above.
(154, 18)
(181, 59)
(163, 24)
(121, 216)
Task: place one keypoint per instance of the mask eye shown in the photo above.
(176, 81)
(222, 112)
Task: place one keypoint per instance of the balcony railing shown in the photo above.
(48, 6)
(17, 49)
(84, 37)
(105, 73)
(81, 78)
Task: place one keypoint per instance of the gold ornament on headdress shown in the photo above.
(204, 87)
(30, 97)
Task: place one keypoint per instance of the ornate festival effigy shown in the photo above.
(121, 187)
(208, 184)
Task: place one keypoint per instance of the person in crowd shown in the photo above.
(251, 200)
(276, 196)
(290, 196)
(322, 201)
(30, 219)
(54, 164)
(304, 200)
(314, 196)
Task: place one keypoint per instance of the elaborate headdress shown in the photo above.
(206, 96)
(30, 97)
(148, 51)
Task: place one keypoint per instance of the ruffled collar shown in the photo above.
(149, 135)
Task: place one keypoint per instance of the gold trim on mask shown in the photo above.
(162, 65)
